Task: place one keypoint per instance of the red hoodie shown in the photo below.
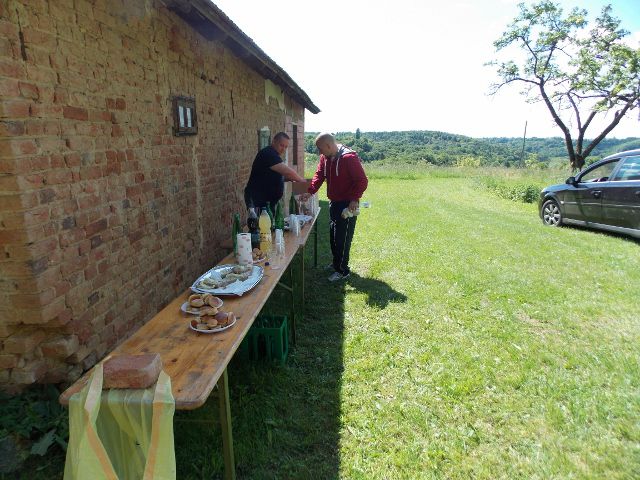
(346, 180)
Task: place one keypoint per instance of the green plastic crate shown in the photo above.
(267, 339)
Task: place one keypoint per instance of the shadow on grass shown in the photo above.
(286, 419)
(379, 294)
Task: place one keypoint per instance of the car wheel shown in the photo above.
(551, 214)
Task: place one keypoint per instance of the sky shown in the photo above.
(407, 64)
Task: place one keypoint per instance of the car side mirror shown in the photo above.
(571, 181)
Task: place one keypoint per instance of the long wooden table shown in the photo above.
(197, 362)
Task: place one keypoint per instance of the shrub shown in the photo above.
(30, 424)
(517, 192)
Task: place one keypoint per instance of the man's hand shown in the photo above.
(353, 205)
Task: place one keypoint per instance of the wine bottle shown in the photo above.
(270, 213)
(279, 217)
(235, 230)
(254, 229)
(293, 205)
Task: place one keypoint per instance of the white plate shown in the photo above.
(217, 330)
(186, 308)
(235, 288)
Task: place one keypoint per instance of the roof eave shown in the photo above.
(213, 24)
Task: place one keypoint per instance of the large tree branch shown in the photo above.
(614, 123)
(567, 134)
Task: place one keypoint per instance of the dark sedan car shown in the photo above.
(605, 195)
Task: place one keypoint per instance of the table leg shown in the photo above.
(225, 425)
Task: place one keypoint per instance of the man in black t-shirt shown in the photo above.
(268, 174)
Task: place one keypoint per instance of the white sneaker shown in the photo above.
(337, 276)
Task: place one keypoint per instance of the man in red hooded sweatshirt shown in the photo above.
(346, 182)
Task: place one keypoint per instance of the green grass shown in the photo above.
(470, 342)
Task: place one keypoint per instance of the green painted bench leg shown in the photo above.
(292, 316)
(225, 425)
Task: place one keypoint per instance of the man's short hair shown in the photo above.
(325, 137)
(280, 136)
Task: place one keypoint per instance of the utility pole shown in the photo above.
(524, 141)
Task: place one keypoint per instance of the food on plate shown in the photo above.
(240, 269)
(196, 302)
(238, 273)
(200, 301)
(213, 322)
(207, 311)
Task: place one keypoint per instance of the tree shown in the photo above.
(578, 75)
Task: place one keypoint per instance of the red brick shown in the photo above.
(9, 88)
(29, 374)
(11, 128)
(29, 90)
(10, 148)
(75, 113)
(15, 109)
(132, 371)
(96, 227)
(23, 341)
(60, 347)
(11, 69)
(57, 177)
(8, 361)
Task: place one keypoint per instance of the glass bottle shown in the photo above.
(254, 229)
(293, 205)
(270, 213)
(279, 217)
(235, 230)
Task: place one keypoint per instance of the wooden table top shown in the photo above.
(195, 361)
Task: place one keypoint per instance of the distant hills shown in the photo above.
(446, 149)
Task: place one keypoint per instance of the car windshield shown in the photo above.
(629, 170)
(599, 174)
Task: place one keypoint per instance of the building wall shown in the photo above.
(105, 215)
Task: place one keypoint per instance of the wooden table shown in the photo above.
(197, 362)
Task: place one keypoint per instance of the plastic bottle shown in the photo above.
(264, 223)
(254, 229)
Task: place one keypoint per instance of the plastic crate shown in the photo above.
(267, 339)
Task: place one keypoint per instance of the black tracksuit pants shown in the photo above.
(340, 235)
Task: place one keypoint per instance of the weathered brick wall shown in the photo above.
(105, 216)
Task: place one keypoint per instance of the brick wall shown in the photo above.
(105, 216)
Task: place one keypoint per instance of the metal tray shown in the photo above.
(236, 288)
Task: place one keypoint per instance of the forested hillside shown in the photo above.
(440, 148)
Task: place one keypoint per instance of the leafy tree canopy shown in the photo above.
(578, 74)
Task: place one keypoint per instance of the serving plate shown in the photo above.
(237, 288)
(215, 330)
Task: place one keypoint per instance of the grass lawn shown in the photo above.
(470, 342)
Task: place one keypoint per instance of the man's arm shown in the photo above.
(288, 173)
(318, 178)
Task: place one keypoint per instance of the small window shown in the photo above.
(629, 170)
(185, 120)
(264, 138)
